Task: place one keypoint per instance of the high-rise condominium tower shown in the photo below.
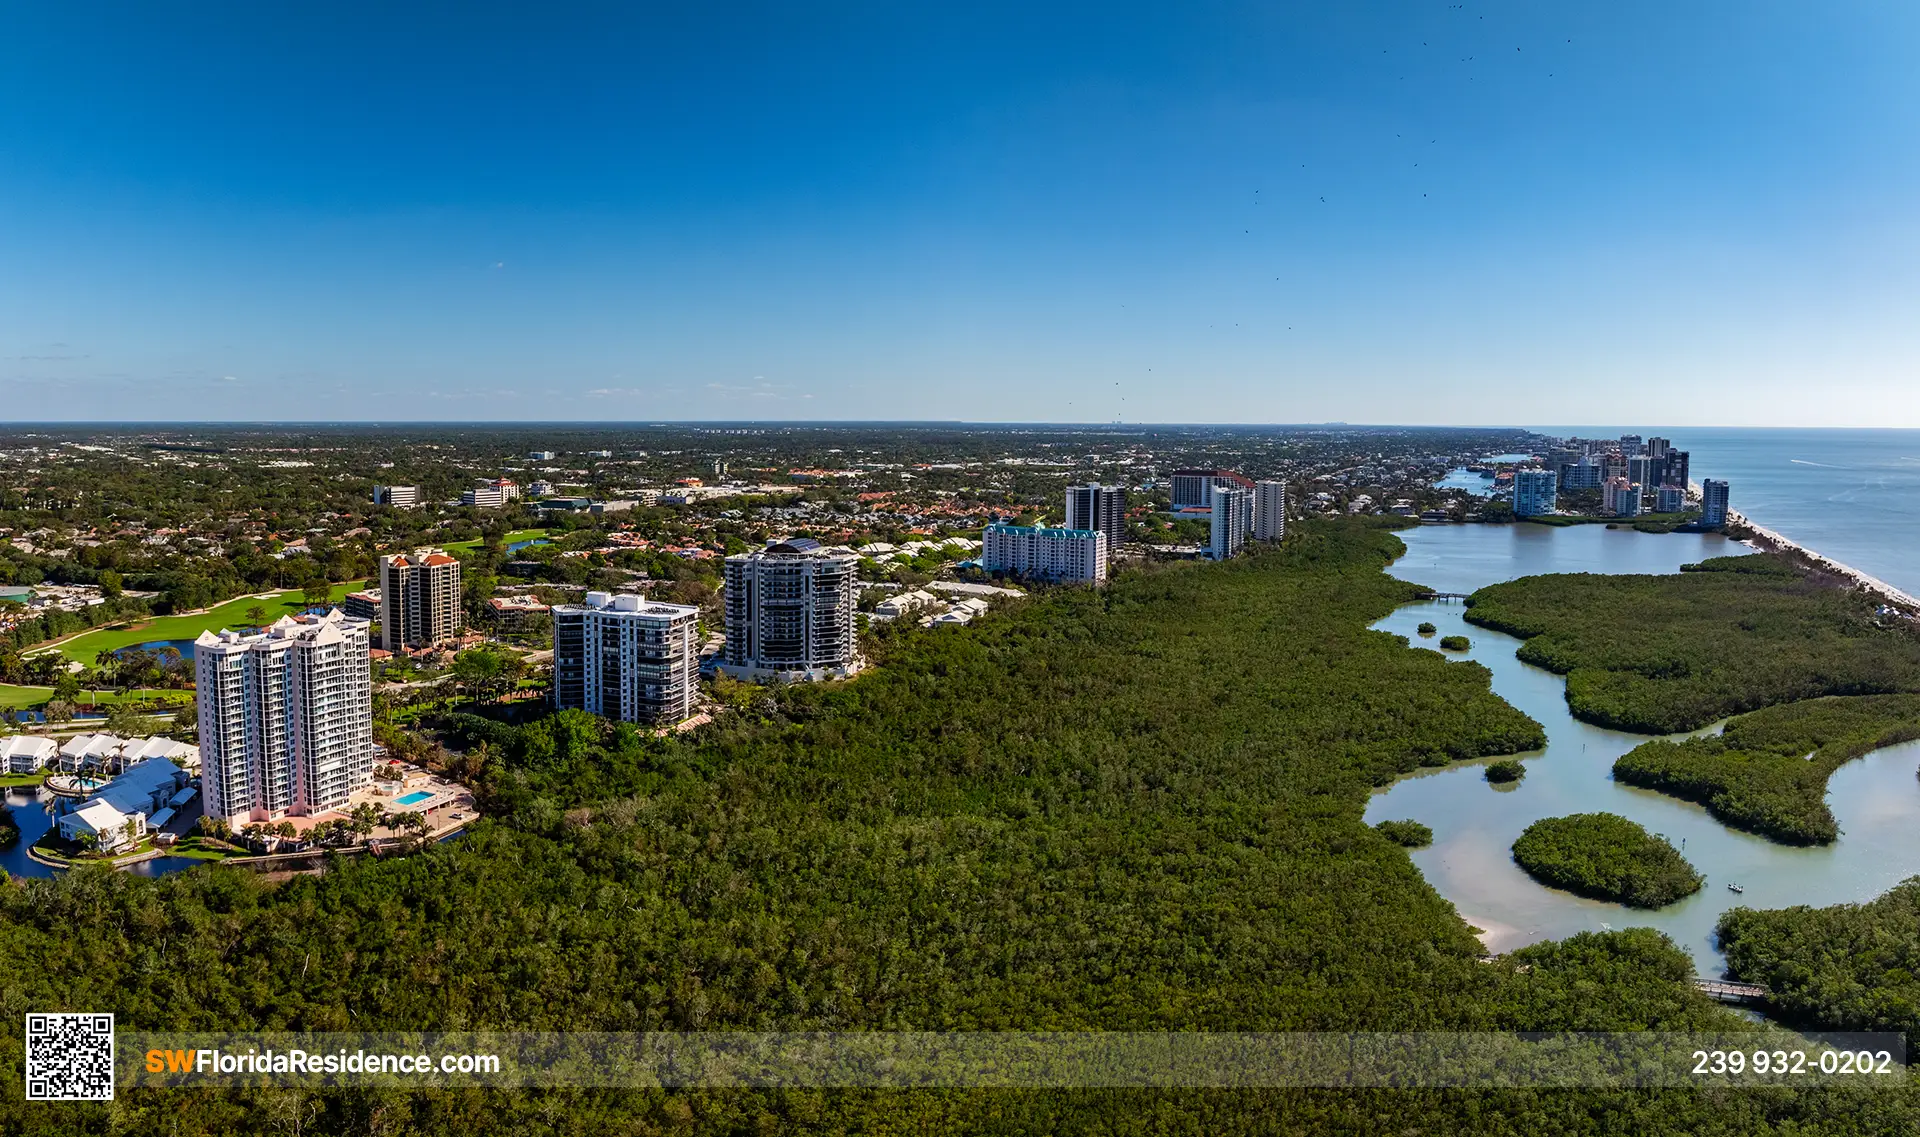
(1194, 488)
(1713, 502)
(790, 612)
(286, 717)
(1534, 492)
(1232, 521)
(1269, 511)
(626, 657)
(419, 599)
(1104, 508)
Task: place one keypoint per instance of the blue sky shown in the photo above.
(1701, 213)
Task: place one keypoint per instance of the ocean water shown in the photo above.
(1852, 495)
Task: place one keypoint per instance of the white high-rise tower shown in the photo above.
(1269, 511)
(286, 717)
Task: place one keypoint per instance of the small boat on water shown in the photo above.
(1735, 888)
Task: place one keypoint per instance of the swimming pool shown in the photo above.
(414, 798)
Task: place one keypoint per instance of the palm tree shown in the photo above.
(256, 615)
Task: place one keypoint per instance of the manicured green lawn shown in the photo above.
(517, 535)
(88, 645)
(200, 850)
(30, 698)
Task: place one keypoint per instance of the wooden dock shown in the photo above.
(1730, 991)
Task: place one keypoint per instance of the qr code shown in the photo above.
(70, 1057)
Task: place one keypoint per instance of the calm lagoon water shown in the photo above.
(30, 814)
(184, 647)
(1465, 479)
(1876, 799)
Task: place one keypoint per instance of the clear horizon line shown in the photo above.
(69, 424)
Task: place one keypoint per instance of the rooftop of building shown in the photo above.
(628, 603)
(136, 790)
(797, 547)
(425, 556)
(1047, 530)
(287, 630)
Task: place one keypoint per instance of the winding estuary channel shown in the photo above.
(1876, 798)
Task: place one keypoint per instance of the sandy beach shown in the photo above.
(1496, 937)
(1760, 537)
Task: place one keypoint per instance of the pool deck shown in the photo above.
(448, 810)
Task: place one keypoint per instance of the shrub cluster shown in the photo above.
(1663, 654)
(1607, 857)
(1767, 771)
(1412, 834)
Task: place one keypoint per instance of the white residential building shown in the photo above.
(1232, 521)
(906, 603)
(400, 497)
(111, 828)
(144, 796)
(1535, 492)
(491, 494)
(1269, 511)
(791, 611)
(1035, 553)
(1094, 506)
(286, 717)
(109, 754)
(27, 754)
(626, 657)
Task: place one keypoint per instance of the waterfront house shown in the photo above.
(111, 828)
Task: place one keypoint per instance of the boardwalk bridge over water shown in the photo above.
(1442, 596)
(1729, 991)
